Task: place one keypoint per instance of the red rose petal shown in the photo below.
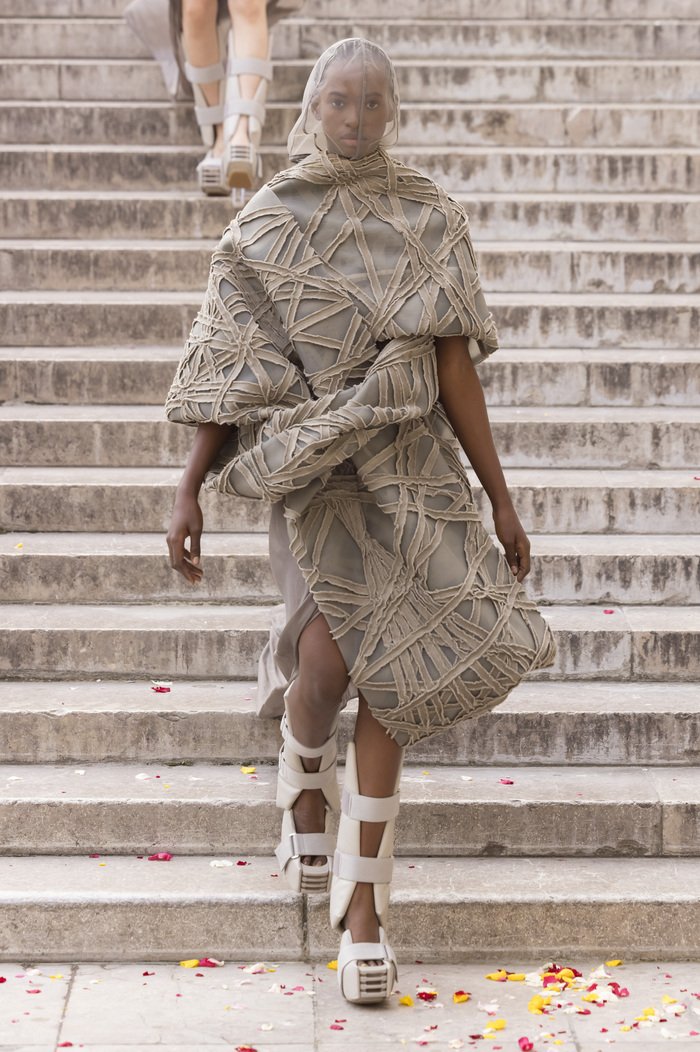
(160, 690)
(608, 611)
(148, 973)
(506, 781)
(161, 856)
(334, 1026)
(525, 1044)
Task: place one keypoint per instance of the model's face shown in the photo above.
(354, 107)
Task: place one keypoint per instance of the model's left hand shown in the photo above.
(512, 536)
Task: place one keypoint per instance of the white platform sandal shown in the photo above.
(210, 170)
(242, 162)
(291, 780)
(360, 982)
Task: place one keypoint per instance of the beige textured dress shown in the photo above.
(316, 342)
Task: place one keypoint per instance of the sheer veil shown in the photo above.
(351, 103)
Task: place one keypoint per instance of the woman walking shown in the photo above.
(331, 372)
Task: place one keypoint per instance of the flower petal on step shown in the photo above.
(193, 962)
(407, 1000)
(426, 994)
(498, 977)
(160, 856)
(506, 781)
(209, 962)
(333, 965)
(460, 996)
(525, 1044)
(613, 964)
(248, 770)
(220, 863)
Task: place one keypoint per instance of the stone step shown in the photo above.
(67, 908)
(124, 809)
(549, 376)
(525, 319)
(420, 80)
(654, 643)
(542, 723)
(402, 37)
(186, 213)
(444, 124)
(505, 266)
(416, 10)
(549, 500)
(467, 169)
(578, 437)
(126, 568)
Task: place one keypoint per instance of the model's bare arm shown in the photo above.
(462, 398)
(186, 518)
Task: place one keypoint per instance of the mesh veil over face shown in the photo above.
(351, 103)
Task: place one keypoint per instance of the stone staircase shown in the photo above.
(568, 820)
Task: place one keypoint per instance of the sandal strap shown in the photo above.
(241, 107)
(364, 951)
(204, 74)
(362, 868)
(209, 115)
(370, 808)
(298, 844)
(259, 67)
(299, 780)
(311, 752)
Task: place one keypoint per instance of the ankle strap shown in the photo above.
(369, 808)
(204, 74)
(298, 844)
(366, 870)
(259, 67)
(309, 751)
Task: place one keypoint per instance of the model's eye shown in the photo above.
(373, 105)
(337, 104)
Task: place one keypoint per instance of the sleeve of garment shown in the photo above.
(480, 326)
(236, 362)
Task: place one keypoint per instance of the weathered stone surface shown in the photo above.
(505, 266)
(448, 811)
(549, 500)
(185, 213)
(574, 722)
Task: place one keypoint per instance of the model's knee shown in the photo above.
(249, 10)
(322, 690)
(198, 14)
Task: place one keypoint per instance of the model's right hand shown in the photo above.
(186, 521)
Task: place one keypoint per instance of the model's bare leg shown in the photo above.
(312, 705)
(201, 42)
(379, 761)
(249, 24)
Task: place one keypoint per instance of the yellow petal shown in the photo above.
(190, 964)
(333, 965)
(460, 998)
(497, 1024)
(669, 1000)
(516, 977)
(408, 1001)
(537, 1004)
(498, 976)
(625, 1028)
(592, 996)
(613, 964)
(248, 770)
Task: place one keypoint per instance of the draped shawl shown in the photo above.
(315, 342)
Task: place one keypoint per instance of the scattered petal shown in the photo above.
(537, 1004)
(242, 863)
(525, 1044)
(148, 973)
(460, 996)
(336, 1026)
(610, 612)
(211, 962)
(498, 977)
(333, 965)
(407, 1000)
(426, 994)
(161, 856)
(497, 1024)
(616, 962)
(220, 863)
(248, 770)
(506, 781)
(192, 963)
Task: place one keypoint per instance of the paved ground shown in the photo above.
(273, 1007)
